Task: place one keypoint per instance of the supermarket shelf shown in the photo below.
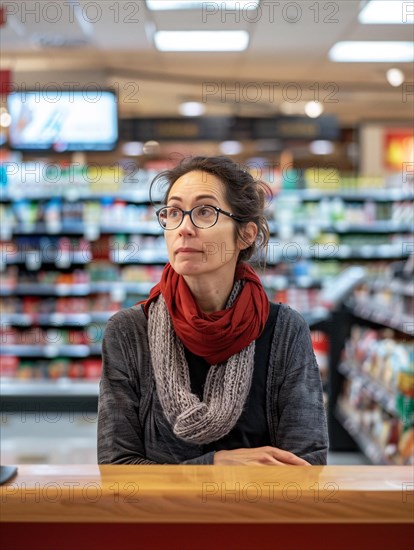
(366, 309)
(371, 386)
(139, 287)
(316, 316)
(281, 282)
(377, 195)
(47, 290)
(74, 191)
(35, 258)
(49, 350)
(369, 447)
(38, 388)
(80, 228)
(72, 194)
(146, 257)
(77, 289)
(397, 286)
(376, 227)
(332, 251)
(56, 319)
(40, 397)
(277, 253)
(95, 349)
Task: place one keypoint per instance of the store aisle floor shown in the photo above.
(351, 458)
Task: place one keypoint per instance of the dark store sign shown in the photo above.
(297, 127)
(226, 128)
(176, 129)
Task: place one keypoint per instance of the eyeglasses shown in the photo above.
(203, 217)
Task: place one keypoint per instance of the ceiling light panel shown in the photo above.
(385, 12)
(376, 52)
(201, 41)
(163, 5)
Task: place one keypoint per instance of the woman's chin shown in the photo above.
(184, 266)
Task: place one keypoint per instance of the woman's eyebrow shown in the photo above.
(199, 197)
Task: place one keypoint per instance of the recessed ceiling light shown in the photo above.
(5, 120)
(385, 12)
(313, 109)
(151, 148)
(230, 147)
(201, 41)
(380, 52)
(321, 147)
(132, 148)
(292, 108)
(158, 5)
(395, 77)
(192, 108)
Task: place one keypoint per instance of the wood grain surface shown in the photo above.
(209, 494)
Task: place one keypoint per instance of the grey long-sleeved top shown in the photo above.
(132, 428)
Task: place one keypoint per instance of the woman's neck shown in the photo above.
(211, 295)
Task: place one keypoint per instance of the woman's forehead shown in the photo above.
(197, 183)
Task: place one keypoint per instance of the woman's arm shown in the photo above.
(120, 434)
(119, 430)
(297, 419)
(298, 405)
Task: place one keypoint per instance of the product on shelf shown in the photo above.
(378, 392)
(84, 241)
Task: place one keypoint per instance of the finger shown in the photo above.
(272, 461)
(289, 458)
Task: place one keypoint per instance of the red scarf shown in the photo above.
(219, 335)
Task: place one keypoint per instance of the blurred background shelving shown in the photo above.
(78, 235)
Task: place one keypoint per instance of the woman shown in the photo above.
(207, 371)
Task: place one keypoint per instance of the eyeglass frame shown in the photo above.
(190, 212)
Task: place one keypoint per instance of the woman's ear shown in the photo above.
(249, 233)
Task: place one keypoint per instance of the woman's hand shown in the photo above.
(258, 455)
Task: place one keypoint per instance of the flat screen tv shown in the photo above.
(72, 120)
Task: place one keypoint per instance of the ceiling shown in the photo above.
(286, 63)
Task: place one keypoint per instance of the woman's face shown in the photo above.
(194, 251)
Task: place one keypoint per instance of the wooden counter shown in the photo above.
(158, 505)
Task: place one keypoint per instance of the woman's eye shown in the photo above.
(173, 212)
(205, 212)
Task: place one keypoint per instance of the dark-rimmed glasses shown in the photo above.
(203, 216)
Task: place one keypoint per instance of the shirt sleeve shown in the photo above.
(119, 430)
(120, 434)
(299, 405)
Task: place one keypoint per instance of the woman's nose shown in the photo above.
(187, 227)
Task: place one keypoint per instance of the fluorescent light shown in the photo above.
(292, 108)
(192, 108)
(313, 109)
(151, 148)
(201, 41)
(230, 147)
(132, 148)
(385, 12)
(321, 147)
(395, 77)
(158, 5)
(5, 120)
(381, 52)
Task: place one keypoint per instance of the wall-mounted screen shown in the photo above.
(63, 121)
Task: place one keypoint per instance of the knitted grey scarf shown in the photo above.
(226, 388)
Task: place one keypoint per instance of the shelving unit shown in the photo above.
(374, 382)
(104, 249)
(365, 443)
(372, 387)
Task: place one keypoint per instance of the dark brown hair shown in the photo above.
(245, 195)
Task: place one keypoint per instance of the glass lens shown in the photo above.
(170, 217)
(204, 216)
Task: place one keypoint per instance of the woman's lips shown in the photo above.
(186, 250)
